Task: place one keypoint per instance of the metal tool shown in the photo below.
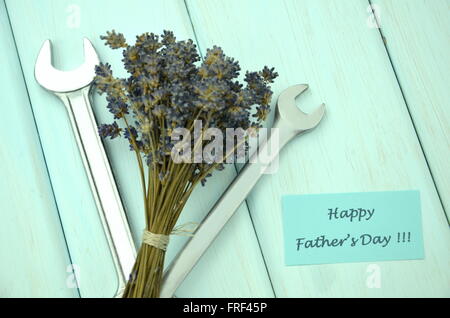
(290, 122)
(73, 88)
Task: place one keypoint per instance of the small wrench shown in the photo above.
(74, 88)
(289, 122)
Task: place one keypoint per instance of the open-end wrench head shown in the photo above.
(289, 112)
(62, 82)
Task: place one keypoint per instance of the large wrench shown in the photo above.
(289, 122)
(73, 88)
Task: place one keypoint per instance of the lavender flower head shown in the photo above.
(168, 87)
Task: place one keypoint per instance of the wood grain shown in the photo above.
(367, 141)
(417, 37)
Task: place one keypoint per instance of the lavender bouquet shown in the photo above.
(169, 94)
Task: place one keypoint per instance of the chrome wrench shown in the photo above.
(74, 88)
(289, 122)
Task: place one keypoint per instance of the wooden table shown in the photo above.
(387, 128)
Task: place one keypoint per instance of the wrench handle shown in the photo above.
(101, 180)
(223, 209)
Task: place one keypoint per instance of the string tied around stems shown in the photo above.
(161, 241)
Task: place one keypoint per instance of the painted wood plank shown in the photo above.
(34, 258)
(365, 143)
(417, 37)
(65, 22)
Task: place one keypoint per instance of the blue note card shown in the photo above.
(352, 227)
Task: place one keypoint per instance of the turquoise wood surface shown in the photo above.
(367, 142)
(417, 37)
(33, 253)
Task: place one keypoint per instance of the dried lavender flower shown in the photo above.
(168, 87)
(114, 40)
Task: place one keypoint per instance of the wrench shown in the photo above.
(73, 88)
(289, 121)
